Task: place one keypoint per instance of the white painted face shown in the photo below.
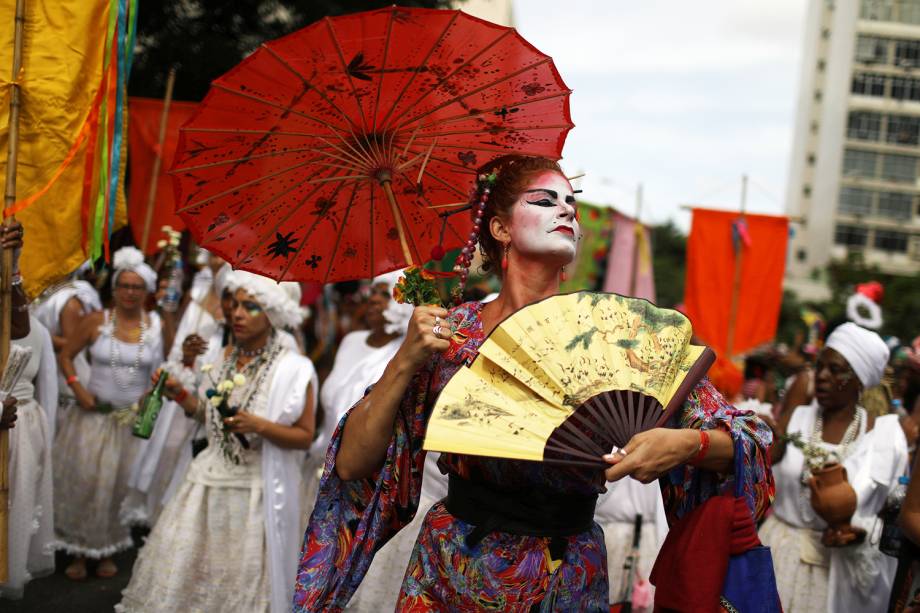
(543, 221)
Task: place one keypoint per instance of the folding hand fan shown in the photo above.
(568, 378)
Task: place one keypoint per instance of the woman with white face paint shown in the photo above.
(510, 535)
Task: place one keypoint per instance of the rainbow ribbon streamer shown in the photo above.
(111, 143)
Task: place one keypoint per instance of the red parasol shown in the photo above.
(338, 151)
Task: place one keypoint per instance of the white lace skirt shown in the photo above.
(93, 454)
(380, 588)
(206, 553)
(31, 529)
(802, 587)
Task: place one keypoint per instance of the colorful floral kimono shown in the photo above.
(502, 572)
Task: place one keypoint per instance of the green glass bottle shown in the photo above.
(147, 416)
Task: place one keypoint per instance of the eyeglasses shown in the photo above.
(129, 287)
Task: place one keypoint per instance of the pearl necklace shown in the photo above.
(115, 354)
(849, 436)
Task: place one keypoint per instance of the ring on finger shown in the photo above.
(437, 320)
(437, 330)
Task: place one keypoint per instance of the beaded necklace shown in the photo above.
(115, 354)
(256, 372)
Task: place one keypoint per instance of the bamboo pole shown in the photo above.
(158, 160)
(634, 272)
(6, 289)
(736, 282)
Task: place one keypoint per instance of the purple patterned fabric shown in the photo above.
(504, 572)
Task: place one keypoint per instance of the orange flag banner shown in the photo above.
(716, 237)
(143, 143)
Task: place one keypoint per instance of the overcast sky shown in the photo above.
(681, 96)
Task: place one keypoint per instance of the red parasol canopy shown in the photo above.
(336, 152)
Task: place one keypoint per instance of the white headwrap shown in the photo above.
(220, 278)
(396, 314)
(131, 259)
(274, 297)
(865, 351)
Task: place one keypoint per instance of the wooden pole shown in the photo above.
(6, 289)
(158, 160)
(736, 282)
(634, 269)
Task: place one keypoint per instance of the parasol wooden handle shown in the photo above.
(387, 186)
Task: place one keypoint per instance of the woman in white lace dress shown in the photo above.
(856, 577)
(157, 461)
(228, 539)
(94, 448)
(31, 529)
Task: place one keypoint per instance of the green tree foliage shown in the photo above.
(669, 260)
(206, 38)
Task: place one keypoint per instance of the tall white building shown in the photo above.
(854, 176)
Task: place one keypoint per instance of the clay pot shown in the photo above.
(834, 500)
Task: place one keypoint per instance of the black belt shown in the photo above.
(534, 512)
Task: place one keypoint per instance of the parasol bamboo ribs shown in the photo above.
(385, 183)
(6, 290)
(158, 160)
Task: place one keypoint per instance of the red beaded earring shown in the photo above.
(562, 275)
(505, 256)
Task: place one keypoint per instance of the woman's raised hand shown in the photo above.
(428, 332)
(652, 453)
(171, 388)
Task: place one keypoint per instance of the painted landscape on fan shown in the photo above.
(568, 378)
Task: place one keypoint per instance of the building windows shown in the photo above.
(903, 11)
(806, 191)
(821, 65)
(859, 164)
(872, 50)
(907, 53)
(903, 88)
(899, 168)
(903, 130)
(896, 206)
(855, 201)
(811, 159)
(864, 126)
(891, 241)
(867, 84)
(851, 236)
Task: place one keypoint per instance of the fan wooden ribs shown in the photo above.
(568, 378)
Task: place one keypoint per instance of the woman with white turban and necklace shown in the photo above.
(94, 449)
(227, 540)
(855, 577)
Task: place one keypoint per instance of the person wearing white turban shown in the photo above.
(94, 449)
(158, 460)
(227, 539)
(359, 362)
(835, 428)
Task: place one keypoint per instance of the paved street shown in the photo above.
(58, 594)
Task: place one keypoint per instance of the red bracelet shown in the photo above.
(704, 448)
(71, 380)
(181, 396)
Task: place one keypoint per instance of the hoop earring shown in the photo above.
(505, 256)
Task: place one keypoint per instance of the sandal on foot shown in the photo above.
(106, 569)
(76, 571)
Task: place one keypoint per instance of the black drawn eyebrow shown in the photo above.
(551, 193)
